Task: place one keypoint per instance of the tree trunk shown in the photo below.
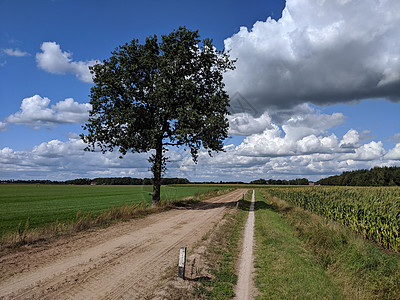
(157, 169)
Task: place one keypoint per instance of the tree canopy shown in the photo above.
(158, 94)
(297, 181)
(377, 176)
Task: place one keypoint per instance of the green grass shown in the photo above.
(44, 204)
(222, 255)
(284, 269)
(359, 267)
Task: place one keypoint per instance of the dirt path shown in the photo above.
(119, 262)
(244, 287)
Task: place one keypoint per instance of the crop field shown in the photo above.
(374, 212)
(44, 204)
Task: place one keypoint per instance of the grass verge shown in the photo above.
(360, 268)
(211, 263)
(223, 253)
(284, 269)
(24, 235)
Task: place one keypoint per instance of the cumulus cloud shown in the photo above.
(300, 134)
(314, 144)
(313, 157)
(371, 151)
(52, 59)
(58, 160)
(323, 52)
(244, 124)
(36, 112)
(14, 52)
(394, 153)
(350, 139)
(233, 166)
(302, 125)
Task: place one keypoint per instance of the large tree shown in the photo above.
(158, 94)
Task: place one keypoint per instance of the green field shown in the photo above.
(44, 204)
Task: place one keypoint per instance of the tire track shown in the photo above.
(244, 287)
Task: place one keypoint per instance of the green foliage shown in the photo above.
(384, 176)
(125, 181)
(297, 181)
(169, 93)
(259, 181)
(374, 212)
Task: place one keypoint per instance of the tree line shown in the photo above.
(377, 176)
(297, 181)
(103, 181)
(125, 181)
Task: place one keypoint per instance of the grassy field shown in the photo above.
(44, 204)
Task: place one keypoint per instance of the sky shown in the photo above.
(315, 92)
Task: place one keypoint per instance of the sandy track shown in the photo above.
(245, 288)
(119, 262)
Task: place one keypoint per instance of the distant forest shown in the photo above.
(297, 181)
(104, 181)
(377, 176)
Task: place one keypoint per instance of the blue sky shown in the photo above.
(322, 83)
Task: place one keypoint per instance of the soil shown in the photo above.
(245, 289)
(123, 261)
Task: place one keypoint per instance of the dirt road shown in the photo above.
(244, 288)
(119, 262)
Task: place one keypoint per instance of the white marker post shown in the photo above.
(182, 263)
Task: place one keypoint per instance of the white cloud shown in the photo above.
(302, 125)
(59, 160)
(36, 112)
(302, 133)
(313, 157)
(314, 144)
(322, 52)
(14, 52)
(371, 151)
(244, 124)
(350, 139)
(52, 59)
(394, 153)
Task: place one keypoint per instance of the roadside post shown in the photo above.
(182, 263)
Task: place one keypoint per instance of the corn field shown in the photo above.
(374, 212)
